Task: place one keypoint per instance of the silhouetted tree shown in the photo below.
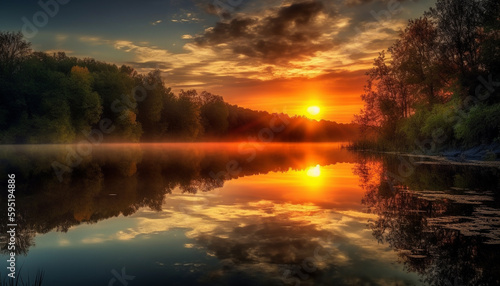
(13, 50)
(438, 70)
(214, 114)
(460, 37)
(151, 110)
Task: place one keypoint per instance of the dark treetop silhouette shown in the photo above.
(441, 82)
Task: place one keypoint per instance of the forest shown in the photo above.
(438, 86)
(53, 98)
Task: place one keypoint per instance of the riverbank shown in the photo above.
(483, 155)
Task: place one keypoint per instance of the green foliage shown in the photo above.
(119, 104)
(440, 64)
(480, 126)
(57, 99)
(214, 114)
(85, 104)
(128, 129)
(411, 127)
(439, 123)
(56, 123)
(187, 123)
(151, 110)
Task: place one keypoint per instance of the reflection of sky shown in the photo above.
(336, 187)
(255, 228)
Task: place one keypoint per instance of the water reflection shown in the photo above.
(275, 214)
(443, 220)
(120, 179)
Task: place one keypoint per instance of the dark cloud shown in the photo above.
(213, 10)
(234, 30)
(223, 9)
(276, 244)
(368, 15)
(273, 241)
(290, 33)
(283, 251)
(299, 15)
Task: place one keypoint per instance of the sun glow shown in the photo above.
(313, 110)
(314, 172)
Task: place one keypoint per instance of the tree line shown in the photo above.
(59, 99)
(439, 83)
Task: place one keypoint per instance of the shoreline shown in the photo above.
(483, 156)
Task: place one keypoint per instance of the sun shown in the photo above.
(313, 110)
(314, 171)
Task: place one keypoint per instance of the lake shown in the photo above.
(248, 214)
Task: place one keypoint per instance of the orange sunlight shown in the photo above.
(327, 186)
(337, 96)
(314, 171)
(313, 110)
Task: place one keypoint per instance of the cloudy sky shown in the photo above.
(274, 55)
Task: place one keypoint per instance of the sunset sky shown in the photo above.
(274, 55)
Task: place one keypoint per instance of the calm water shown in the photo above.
(249, 214)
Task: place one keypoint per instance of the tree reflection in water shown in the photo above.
(120, 179)
(443, 221)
